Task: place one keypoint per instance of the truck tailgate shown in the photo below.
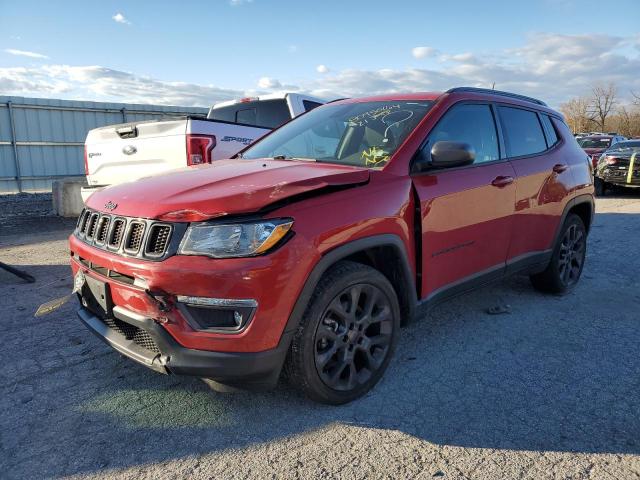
(130, 151)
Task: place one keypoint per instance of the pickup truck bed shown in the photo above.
(129, 151)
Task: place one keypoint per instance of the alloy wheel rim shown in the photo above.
(571, 256)
(353, 337)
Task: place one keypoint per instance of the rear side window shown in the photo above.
(472, 124)
(265, 114)
(247, 115)
(309, 105)
(272, 113)
(226, 114)
(549, 130)
(523, 132)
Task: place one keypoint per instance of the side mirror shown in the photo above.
(452, 154)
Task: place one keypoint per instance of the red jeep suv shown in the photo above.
(309, 250)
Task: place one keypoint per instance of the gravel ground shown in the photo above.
(550, 390)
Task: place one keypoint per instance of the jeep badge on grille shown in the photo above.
(110, 205)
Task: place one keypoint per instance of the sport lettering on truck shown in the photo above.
(244, 141)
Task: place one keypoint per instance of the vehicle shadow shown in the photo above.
(555, 374)
(621, 192)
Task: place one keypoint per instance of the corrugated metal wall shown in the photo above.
(43, 139)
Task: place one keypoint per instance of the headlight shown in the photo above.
(234, 239)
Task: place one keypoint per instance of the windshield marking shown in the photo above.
(374, 156)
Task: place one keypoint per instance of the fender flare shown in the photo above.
(578, 200)
(339, 253)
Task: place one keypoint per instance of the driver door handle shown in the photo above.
(560, 167)
(502, 181)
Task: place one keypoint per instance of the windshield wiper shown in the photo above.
(284, 157)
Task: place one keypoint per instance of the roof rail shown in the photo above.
(496, 92)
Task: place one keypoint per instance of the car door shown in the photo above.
(543, 180)
(466, 212)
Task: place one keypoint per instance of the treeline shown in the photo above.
(602, 111)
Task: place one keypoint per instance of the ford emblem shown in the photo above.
(129, 150)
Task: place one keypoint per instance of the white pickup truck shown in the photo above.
(129, 151)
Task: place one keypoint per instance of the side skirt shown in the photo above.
(529, 263)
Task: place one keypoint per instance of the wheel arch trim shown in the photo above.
(339, 253)
(571, 204)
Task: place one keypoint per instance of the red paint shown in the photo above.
(224, 187)
(471, 219)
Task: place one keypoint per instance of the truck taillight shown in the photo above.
(199, 148)
(86, 163)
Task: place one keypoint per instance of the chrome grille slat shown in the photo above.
(136, 237)
(117, 232)
(158, 241)
(103, 229)
(91, 227)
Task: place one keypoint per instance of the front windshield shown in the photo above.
(623, 146)
(365, 134)
(591, 142)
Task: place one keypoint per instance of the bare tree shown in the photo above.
(602, 102)
(624, 121)
(576, 112)
(636, 98)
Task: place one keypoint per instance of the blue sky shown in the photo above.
(197, 52)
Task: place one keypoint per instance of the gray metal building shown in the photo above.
(42, 139)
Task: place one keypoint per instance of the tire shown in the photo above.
(339, 352)
(564, 269)
(600, 187)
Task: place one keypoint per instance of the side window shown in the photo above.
(247, 115)
(472, 124)
(523, 132)
(272, 113)
(226, 114)
(309, 105)
(549, 130)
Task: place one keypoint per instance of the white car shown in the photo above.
(129, 151)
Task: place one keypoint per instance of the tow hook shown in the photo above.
(160, 299)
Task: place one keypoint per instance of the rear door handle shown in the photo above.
(502, 181)
(560, 167)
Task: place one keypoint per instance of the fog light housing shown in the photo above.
(217, 314)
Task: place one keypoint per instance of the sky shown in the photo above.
(196, 53)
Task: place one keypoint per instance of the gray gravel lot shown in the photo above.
(550, 390)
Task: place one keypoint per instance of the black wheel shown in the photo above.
(347, 335)
(567, 261)
(600, 187)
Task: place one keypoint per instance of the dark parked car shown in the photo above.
(594, 145)
(618, 165)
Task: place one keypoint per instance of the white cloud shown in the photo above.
(105, 84)
(235, 3)
(322, 69)
(120, 18)
(423, 52)
(466, 57)
(549, 66)
(293, 48)
(24, 53)
(269, 83)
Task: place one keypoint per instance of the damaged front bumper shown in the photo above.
(145, 341)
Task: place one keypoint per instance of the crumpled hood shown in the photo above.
(224, 187)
